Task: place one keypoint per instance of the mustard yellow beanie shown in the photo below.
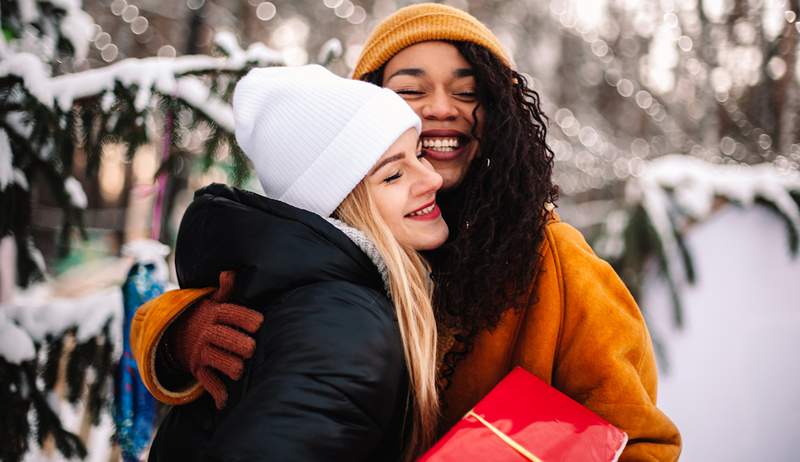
(422, 23)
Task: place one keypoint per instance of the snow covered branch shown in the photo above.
(166, 76)
(696, 183)
(683, 186)
(673, 192)
(35, 314)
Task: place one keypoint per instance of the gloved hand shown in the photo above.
(212, 337)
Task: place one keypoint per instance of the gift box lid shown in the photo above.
(523, 418)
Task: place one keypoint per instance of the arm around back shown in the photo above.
(327, 382)
(149, 325)
(207, 337)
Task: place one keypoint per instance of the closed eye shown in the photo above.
(408, 92)
(392, 178)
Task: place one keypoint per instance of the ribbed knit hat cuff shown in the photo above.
(349, 157)
(423, 23)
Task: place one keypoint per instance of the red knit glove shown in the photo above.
(211, 337)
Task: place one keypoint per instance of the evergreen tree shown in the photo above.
(48, 112)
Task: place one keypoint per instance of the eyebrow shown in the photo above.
(464, 72)
(385, 161)
(412, 71)
(417, 72)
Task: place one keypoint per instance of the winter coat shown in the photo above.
(328, 378)
(583, 333)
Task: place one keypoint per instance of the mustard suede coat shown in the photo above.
(584, 335)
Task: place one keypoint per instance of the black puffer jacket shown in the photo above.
(328, 379)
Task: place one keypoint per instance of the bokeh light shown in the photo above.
(266, 11)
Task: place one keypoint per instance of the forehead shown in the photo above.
(432, 57)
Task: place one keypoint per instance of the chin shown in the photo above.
(453, 171)
(433, 243)
(422, 247)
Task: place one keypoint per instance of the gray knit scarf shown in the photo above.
(366, 245)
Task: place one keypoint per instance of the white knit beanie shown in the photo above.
(313, 136)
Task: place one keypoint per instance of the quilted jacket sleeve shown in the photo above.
(325, 382)
(604, 356)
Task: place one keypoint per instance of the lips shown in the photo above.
(430, 211)
(443, 145)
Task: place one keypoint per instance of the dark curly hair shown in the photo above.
(496, 215)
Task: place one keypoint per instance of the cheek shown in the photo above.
(479, 131)
(481, 115)
(416, 106)
(389, 205)
(453, 171)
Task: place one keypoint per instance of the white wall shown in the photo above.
(734, 384)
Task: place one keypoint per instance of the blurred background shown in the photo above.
(677, 143)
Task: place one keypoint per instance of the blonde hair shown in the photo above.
(411, 291)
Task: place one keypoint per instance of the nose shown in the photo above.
(439, 106)
(426, 180)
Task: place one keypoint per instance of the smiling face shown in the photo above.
(438, 83)
(403, 186)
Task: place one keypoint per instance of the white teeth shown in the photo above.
(424, 211)
(441, 143)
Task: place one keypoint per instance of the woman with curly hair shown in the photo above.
(515, 286)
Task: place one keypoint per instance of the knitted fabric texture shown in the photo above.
(213, 336)
(312, 136)
(422, 23)
(367, 246)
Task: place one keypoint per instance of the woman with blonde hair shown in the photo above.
(345, 366)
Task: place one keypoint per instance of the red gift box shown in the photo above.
(523, 418)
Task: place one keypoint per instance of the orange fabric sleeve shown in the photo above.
(605, 353)
(147, 328)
